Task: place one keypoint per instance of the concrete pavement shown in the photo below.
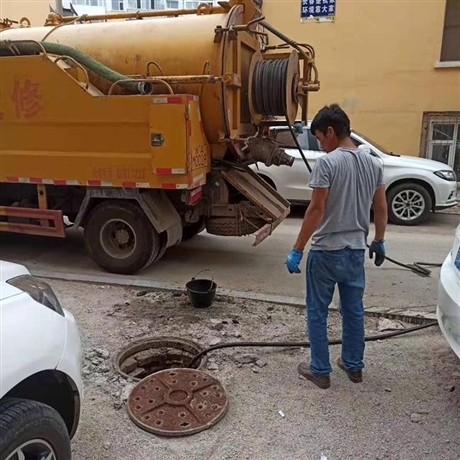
(236, 265)
(407, 408)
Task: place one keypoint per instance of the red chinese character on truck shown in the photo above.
(26, 98)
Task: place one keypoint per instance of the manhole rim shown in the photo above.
(123, 353)
(175, 434)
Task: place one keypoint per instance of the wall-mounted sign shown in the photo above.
(317, 10)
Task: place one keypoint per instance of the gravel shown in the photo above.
(407, 408)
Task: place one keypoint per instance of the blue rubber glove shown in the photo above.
(293, 261)
(377, 248)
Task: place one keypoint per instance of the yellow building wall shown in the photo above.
(36, 10)
(378, 62)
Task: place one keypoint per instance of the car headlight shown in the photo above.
(40, 291)
(446, 175)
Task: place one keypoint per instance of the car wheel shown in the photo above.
(33, 431)
(268, 181)
(408, 204)
(120, 238)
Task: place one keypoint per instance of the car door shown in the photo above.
(292, 182)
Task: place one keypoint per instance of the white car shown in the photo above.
(40, 369)
(448, 310)
(415, 186)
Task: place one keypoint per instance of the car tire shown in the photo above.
(32, 427)
(268, 181)
(408, 204)
(120, 238)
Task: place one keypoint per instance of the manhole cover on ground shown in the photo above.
(146, 357)
(177, 402)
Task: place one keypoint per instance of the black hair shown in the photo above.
(334, 117)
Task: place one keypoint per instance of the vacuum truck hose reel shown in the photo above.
(273, 87)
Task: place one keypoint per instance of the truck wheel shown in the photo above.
(189, 231)
(156, 255)
(120, 238)
(33, 431)
(408, 204)
(230, 226)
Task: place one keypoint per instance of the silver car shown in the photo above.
(415, 186)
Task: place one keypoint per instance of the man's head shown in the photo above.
(331, 125)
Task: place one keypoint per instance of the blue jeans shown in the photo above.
(325, 269)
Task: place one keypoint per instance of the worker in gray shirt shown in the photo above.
(346, 183)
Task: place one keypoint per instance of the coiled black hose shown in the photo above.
(371, 338)
(269, 89)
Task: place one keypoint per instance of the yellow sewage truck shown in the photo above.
(140, 127)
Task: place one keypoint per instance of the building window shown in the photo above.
(450, 50)
(89, 2)
(190, 5)
(442, 134)
(172, 4)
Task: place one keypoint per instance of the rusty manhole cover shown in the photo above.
(177, 402)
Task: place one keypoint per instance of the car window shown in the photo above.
(355, 141)
(284, 137)
(312, 141)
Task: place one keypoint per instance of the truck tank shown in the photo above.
(215, 41)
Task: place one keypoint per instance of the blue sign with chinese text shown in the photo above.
(317, 9)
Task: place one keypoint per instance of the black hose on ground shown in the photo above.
(417, 267)
(371, 338)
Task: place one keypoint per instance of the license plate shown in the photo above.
(199, 157)
(457, 260)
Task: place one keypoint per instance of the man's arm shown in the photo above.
(380, 213)
(313, 216)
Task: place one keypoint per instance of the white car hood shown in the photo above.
(415, 162)
(10, 270)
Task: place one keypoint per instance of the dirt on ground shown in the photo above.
(408, 406)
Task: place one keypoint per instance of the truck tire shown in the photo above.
(229, 226)
(33, 430)
(408, 204)
(120, 238)
(156, 255)
(189, 231)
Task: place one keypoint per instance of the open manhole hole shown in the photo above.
(146, 357)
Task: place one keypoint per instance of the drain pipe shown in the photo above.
(371, 338)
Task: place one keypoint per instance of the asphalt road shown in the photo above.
(237, 265)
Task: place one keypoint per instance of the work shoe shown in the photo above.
(354, 376)
(322, 381)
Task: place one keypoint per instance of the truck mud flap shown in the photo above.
(274, 207)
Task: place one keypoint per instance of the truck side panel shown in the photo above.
(53, 131)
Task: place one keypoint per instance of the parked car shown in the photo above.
(40, 369)
(448, 310)
(415, 186)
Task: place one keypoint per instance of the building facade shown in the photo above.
(135, 5)
(37, 10)
(393, 66)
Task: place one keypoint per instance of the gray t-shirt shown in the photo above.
(352, 176)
